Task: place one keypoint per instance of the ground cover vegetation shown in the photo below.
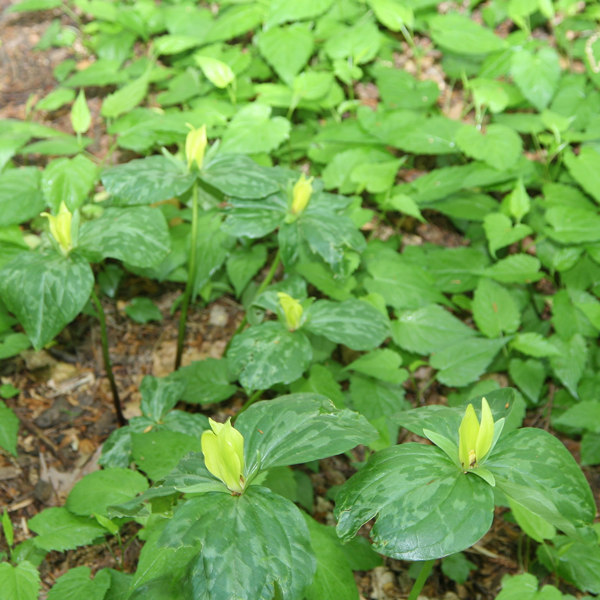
(285, 155)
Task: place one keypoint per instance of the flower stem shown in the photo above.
(256, 396)
(260, 290)
(189, 288)
(421, 579)
(107, 364)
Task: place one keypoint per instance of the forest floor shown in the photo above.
(65, 406)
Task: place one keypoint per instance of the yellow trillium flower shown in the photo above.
(475, 439)
(195, 146)
(301, 194)
(292, 310)
(60, 228)
(223, 450)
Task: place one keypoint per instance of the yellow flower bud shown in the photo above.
(301, 194)
(292, 310)
(223, 450)
(475, 440)
(60, 228)
(195, 146)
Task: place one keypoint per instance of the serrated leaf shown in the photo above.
(382, 363)
(46, 292)
(585, 168)
(76, 584)
(393, 15)
(500, 231)
(59, 529)
(500, 146)
(21, 582)
(536, 75)
(281, 11)
(462, 35)
(516, 268)
(533, 344)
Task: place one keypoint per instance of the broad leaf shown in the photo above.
(535, 469)
(299, 428)
(529, 375)
(147, 180)
(76, 584)
(136, 235)
(21, 582)
(516, 268)
(500, 231)
(425, 506)
(243, 264)
(262, 539)
(206, 381)
(20, 196)
(281, 11)
(126, 98)
(59, 529)
(269, 354)
(500, 146)
(585, 168)
(46, 292)
(536, 75)
(100, 489)
(569, 363)
(494, 309)
(69, 181)
(354, 323)
(461, 35)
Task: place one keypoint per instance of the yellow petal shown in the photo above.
(301, 194)
(486, 431)
(215, 426)
(60, 227)
(292, 309)
(467, 436)
(195, 145)
(210, 449)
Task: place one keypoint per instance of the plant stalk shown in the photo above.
(189, 288)
(260, 290)
(121, 420)
(256, 396)
(421, 579)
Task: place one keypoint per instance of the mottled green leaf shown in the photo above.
(269, 354)
(46, 292)
(147, 180)
(20, 196)
(299, 428)
(137, 235)
(425, 506)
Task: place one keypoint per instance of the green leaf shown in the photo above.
(585, 168)
(572, 225)
(13, 344)
(252, 131)
(425, 506)
(80, 114)
(59, 146)
(404, 204)
(334, 577)
(69, 181)
(533, 344)
(243, 264)
(33, 5)
(216, 71)
(126, 98)
(143, 310)
(590, 449)
(297, 429)
(282, 481)
(354, 323)
(286, 49)
(494, 309)
(9, 427)
(235, 21)
(536, 75)
(76, 584)
(533, 467)
(402, 285)
(206, 381)
(159, 396)
(500, 146)
(392, 14)
(56, 99)
(20, 196)
(535, 527)
(158, 452)
(281, 11)
(137, 235)
(461, 35)
(376, 399)
(519, 203)
(457, 567)
(269, 354)
(569, 363)
(529, 375)
(376, 178)
(58, 529)
(383, 364)
(579, 564)
(516, 268)
(429, 329)
(23, 581)
(46, 292)
(500, 231)
(321, 381)
(462, 363)
(147, 180)
(584, 415)
(100, 489)
(272, 544)
(524, 587)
